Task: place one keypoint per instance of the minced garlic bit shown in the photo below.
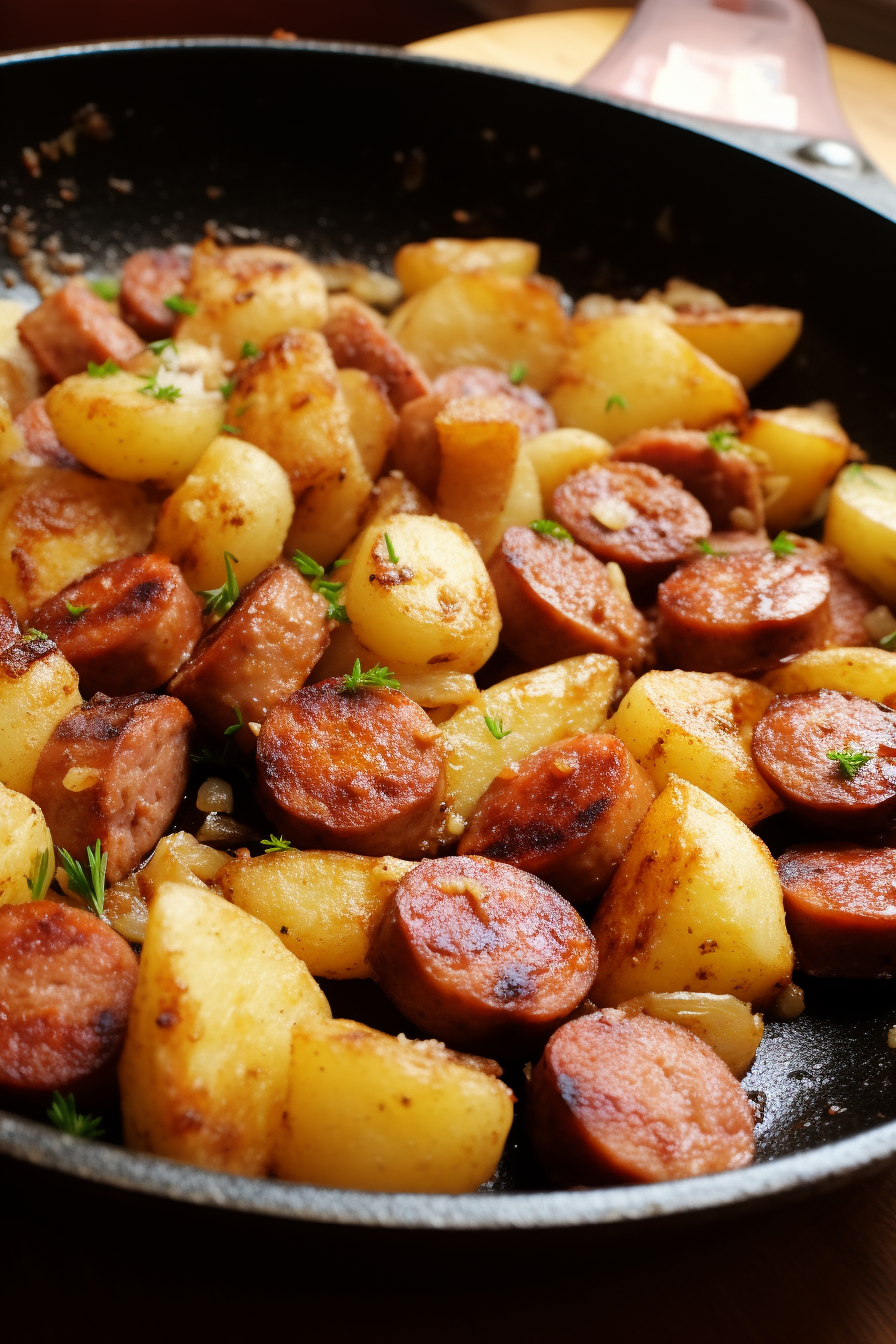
(562, 766)
(454, 824)
(215, 795)
(891, 1038)
(80, 777)
(254, 728)
(617, 578)
(614, 514)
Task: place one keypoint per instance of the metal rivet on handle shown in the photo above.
(833, 154)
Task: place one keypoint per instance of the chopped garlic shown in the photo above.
(79, 778)
(215, 795)
(617, 578)
(614, 514)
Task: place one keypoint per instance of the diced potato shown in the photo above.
(391, 494)
(57, 525)
(747, 342)
(19, 375)
(695, 905)
(204, 1070)
(495, 320)
(722, 1021)
(26, 849)
(433, 688)
(473, 431)
(524, 502)
(323, 906)
(38, 687)
(861, 523)
(120, 430)
(535, 708)
(805, 450)
(419, 265)
(634, 372)
(368, 1111)
(182, 357)
(180, 858)
(868, 672)
(12, 445)
(560, 452)
(372, 420)
(236, 499)
(250, 294)
(290, 403)
(699, 725)
(434, 605)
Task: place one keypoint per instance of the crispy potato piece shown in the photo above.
(695, 904)
(861, 523)
(25, 874)
(289, 402)
(747, 342)
(434, 605)
(19, 374)
(634, 372)
(117, 429)
(420, 265)
(391, 494)
(12, 447)
(236, 499)
(868, 672)
(494, 320)
(38, 687)
(57, 525)
(249, 294)
(367, 1111)
(699, 725)
(535, 708)
(179, 858)
(323, 905)
(203, 1073)
(373, 422)
(437, 688)
(804, 450)
(722, 1021)
(559, 454)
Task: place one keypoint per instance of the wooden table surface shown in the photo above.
(822, 1271)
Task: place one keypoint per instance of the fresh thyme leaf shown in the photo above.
(218, 601)
(888, 641)
(227, 389)
(390, 549)
(548, 528)
(92, 889)
(178, 304)
(275, 842)
(107, 288)
(158, 346)
(166, 392)
(305, 565)
(65, 1116)
(74, 612)
(722, 440)
(850, 762)
(782, 545)
(496, 727)
(337, 564)
(39, 877)
(231, 429)
(234, 727)
(337, 612)
(617, 399)
(104, 370)
(518, 372)
(377, 676)
(702, 543)
(249, 350)
(31, 634)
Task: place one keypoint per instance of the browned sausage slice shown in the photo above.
(482, 955)
(850, 602)
(722, 481)
(140, 623)
(115, 770)
(357, 770)
(633, 514)
(148, 278)
(633, 1099)
(36, 428)
(841, 909)
(556, 600)
(791, 746)
(73, 327)
(743, 612)
(358, 340)
(254, 658)
(568, 813)
(66, 983)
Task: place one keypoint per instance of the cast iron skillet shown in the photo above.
(350, 152)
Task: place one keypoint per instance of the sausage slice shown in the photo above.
(254, 658)
(840, 902)
(148, 278)
(482, 955)
(742, 613)
(41, 443)
(619, 1099)
(73, 327)
(115, 770)
(722, 481)
(358, 340)
(66, 983)
(568, 813)
(633, 514)
(791, 746)
(140, 624)
(556, 601)
(359, 770)
(850, 602)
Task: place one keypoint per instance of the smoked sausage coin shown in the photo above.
(725, 482)
(840, 902)
(148, 278)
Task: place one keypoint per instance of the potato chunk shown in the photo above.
(420, 265)
(870, 673)
(747, 342)
(861, 523)
(38, 687)
(132, 429)
(368, 1111)
(634, 372)
(695, 905)
(805, 450)
(722, 1021)
(434, 605)
(236, 499)
(699, 725)
(495, 320)
(561, 452)
(203, 1074)
(19, 374)
(373, 422)
(323, 906)
(26, 854)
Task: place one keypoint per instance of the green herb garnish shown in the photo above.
(496, 727)
(234, 727)
(177, 304)
(107, 288)
(307, 566)
(218, 601)
(782, 545)
(231, 429)
(39, 877)
(390, 549)
(248, 350)
(158, 346)
(64, 1115)
(337, 564)
(227, 389)
(275, 842)
(548, 528)
(74, 612)
(888, 641)
(31, 634)
(104, 370)
(207, 757)
(722, 440)
(328, 588)
(702, 544)
(517, 372)
(858, 469)
(617, 399)
(92, 889)
(850, 762)
(377, 676)
(161, 392)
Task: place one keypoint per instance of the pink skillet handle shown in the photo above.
(751, 62)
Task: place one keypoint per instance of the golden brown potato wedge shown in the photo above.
(748, 342)
(803, 450)
(725, 1023)
(420, 265)
(868, 672)
(372, 420)
(26, 853)
(861, 523)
